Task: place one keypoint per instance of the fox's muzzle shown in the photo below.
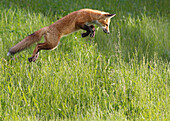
(105, 31)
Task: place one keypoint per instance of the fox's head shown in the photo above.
(104, 21)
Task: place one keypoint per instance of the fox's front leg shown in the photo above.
(89, 30)
(92, 34)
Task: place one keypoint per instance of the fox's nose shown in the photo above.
(105, 31)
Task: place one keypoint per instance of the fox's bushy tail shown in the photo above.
(28, 41)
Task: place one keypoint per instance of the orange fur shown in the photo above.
(70, 23)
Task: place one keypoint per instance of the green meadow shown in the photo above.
(124, 75)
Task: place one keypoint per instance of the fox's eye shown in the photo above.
(106, 24)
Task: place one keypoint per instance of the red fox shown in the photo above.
(81, 19)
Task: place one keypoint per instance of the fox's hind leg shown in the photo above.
(47, 45)
(38, 47)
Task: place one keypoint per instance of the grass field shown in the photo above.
(121, 76)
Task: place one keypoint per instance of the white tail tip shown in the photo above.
(8, 54)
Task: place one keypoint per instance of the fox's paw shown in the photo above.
(34, 58)
(92, 34)
(30, 59)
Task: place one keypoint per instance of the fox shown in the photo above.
(83, 19)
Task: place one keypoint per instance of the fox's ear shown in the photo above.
(109, 15)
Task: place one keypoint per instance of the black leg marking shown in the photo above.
(89, 30)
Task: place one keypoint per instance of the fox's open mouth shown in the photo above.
(105, 31)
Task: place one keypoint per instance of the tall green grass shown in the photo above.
(121, 76)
